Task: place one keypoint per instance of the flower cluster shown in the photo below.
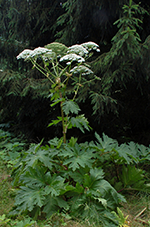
(83, 49)
(74, 53)
(91, 46)
(78, 49)
(72, 57)
(81, 69)
(39, 51)
(26, 54)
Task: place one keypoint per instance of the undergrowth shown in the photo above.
(81, 187)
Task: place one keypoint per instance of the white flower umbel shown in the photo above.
(24, 54)
(39, 51)
(71, 58)
(91, 46)
(78, 49)
(81, 69)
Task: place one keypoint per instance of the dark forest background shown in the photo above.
(118, 105)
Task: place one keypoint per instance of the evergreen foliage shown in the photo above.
(23, 20)
(80, 24)
(123, 69)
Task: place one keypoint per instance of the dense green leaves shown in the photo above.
(70, 177)
(77, 157)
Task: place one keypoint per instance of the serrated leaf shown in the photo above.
(41, 155)
(70, 106)
(78, 189)
(123, 151)
(34, 177)
(79, 122)
(54, 184)
(78, 157)
(55, 143)
(93, 211)
(27, 198)
(106, 143)
(25, 223)
(132, 177)
(92, 181)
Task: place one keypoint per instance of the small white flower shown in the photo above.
(78, 49)
(81, 69)
(72, 57)
(68, 63)
(91, 46)
(24, 54)
(98, 50)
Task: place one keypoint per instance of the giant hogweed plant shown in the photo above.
(64, 68)
(62, 176)
(65, 176)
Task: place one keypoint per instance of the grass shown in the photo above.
(136, 208)
(6, 199)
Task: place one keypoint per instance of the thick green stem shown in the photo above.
(63, 119)
(63, 122)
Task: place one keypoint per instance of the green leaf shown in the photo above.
(35, 147)
(103, 201)
(55, 184)
(34, 176)
(92, 182)
(106, 143)
(56, 101)
(78, 176)
(25, 223)
(78, 157)
(53, 205)
(41, 155)
(133, 178)
(55, 122)
(79, 122)
(70, 106)
(28, 198)
(92, 210)
(123, 150)
(72, 141)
